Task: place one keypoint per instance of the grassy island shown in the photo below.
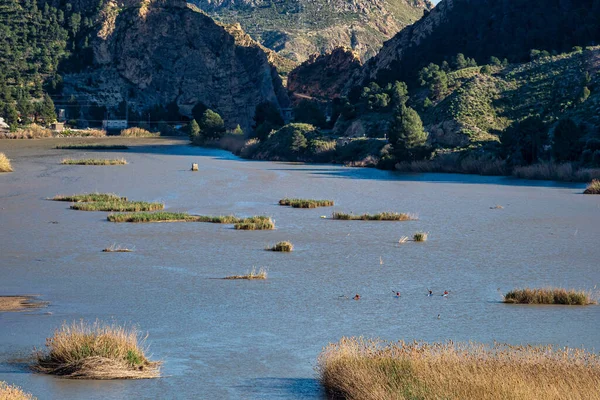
(305, 203)
(549, 296)
(384, 216)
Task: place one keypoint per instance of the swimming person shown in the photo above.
(430, 292)
(357, 297)
(445, 293)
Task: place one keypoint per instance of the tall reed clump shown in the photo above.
(592, 188)
(138, 132)
(96, 351)
(120, 206)
(5, 164)
(305, 203)
(384, 216)
(251, 275)
(11, 392)
(549, 296)
(93, 161)
(255, 224)
(285, 247)
(361, 369)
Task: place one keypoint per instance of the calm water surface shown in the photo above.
(260, 340)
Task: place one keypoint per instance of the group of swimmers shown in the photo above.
(397, 294)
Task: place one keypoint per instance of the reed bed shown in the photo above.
(362, 369)
(549, 296)
(94, 161)
(420, 237)
(5, 165)
(261, 274)
(11, 392)
(89, 197)
(96, 351)
(119, 206)
(255, 224)
(161, 216)
(138, 132)
(305, 203)
(92, 147)
(592, 188)
(114, 248)
(384, 216)
(284, 247)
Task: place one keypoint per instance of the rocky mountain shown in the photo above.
(324, 76)
(484, 28)
(166, 54)
(298, 28)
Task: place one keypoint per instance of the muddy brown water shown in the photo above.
(223, 339)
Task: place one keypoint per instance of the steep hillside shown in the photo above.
(299, 28)
(484, 28)
(478, 107)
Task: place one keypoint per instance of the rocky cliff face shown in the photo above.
(298, 28)
(165, 53)
(324, 77)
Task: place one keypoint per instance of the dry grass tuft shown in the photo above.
(118, 205)
(93, 161)
(420, 237)
(138, 132)
(384, 216)
(255, 224)
(251, 275)
(592, 188)
(32, 131)
(89, 197)
(549, 296)
(114, 248)
(97, 351)
(5, 164)
(11, 392)
(304, 203)
(360, 369)
(285, 247)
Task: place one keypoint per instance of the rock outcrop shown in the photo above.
(166, 53)
(324, 77)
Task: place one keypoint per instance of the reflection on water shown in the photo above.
(260, 340)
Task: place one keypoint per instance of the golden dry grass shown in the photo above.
(93, 161)
(138, 132)
(592, 188)
(19, 303)
(96, 351)
(89, 197)
(251, 275)
(11, 392)
(360, 369)
(32, 131)
(549, 296)
(5, 164)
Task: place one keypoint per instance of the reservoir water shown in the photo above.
(223, 339)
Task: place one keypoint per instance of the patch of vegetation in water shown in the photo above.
(93, 161)
(305, 203)
(383, 216)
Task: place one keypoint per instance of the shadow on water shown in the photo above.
(338, 171)
(284, 388)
